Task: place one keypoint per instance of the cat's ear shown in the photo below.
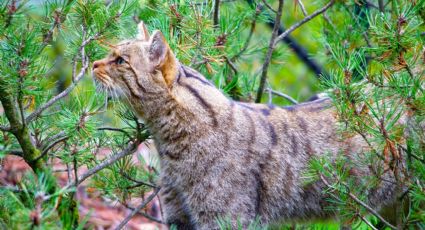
(143, 32)
(162, 57)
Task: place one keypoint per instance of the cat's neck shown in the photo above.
(186, 111)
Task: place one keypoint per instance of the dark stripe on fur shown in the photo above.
(204, 103)
(272, 133)
(192, 74)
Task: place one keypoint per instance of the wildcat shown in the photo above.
(222, 158)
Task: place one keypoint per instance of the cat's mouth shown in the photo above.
(103, 78)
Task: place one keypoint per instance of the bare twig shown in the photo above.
(116, 130)
(303, 21)
(367, 222)
(360, 202)
(272, 45)
(137, 209)
(216, 13)
(51, 145)
(114, 158)
(143, 214)
(287, 97)
(269, 6)
(231, 64)
(302, 7)
(139, 182)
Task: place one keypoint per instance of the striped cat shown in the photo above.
(222, 158)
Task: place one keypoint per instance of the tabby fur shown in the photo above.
(223, 158)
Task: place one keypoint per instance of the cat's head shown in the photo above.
(138, 68)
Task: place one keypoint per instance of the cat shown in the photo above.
(223, 158)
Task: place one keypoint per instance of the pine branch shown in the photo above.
(298, 49)
(137, 209)
(269, 52)
(139, 182)
(251, 32)
(111, 160)
(51, 145)
(76, 79)
(360, 202)
(303, 21)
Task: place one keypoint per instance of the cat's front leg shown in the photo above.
(175, 211)
(233, 207)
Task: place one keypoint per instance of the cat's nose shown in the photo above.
(96, 64)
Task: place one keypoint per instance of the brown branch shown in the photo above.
(303, 21)
(360, 202)
(268, 58)
(137, 209)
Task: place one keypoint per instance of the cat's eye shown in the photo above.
(120, 60)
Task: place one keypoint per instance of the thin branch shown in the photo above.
(300, 51)
(302, 7)
(367, 222)
(51, 145)
(303, 21)
(251, 32)
(143, 214)
(137, 209)
(231, 65)
(138, 181)
(287, 97)
(116, 130)
(114, 158)
(360, 202)
(216, 15)
(269, 6)
(268, 58)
